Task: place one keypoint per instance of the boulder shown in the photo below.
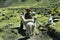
(11, 15)
(7, 17)
(3, 19)
(3, 14)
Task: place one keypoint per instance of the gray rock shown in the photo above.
(40, 36)
(3, 14)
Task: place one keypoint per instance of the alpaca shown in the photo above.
(30, 25)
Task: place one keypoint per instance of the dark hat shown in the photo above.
(28, 9)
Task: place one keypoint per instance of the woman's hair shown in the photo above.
(28, 9)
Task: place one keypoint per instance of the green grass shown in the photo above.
(16, 20)
(29, 3)
(57, 26)
(44, 19)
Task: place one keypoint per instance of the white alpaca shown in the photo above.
(30, 25)
(50, 20)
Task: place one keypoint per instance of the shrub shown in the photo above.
(38, 0)
(23, 0)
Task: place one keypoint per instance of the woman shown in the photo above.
(27, 16)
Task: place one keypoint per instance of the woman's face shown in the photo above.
(28, 11)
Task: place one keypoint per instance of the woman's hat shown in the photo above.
(28, 9)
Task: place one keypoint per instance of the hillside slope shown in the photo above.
(29, 3)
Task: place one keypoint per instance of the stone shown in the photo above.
(10, 24)
(15, 16)
(7, 17)
(18, 11)
(3, 14)
(3, 19)
(11, 15)
(17, 20)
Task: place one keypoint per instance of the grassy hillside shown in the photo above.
(12, 16)
(29, 3)
(11, 9)
(9, 17)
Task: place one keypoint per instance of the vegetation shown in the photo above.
(29, 3)
(11, 9)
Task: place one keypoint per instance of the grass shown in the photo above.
(29, 3)
(44, 19)
(16, 20)
(57, 26)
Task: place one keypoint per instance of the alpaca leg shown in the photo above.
(27, 31)
(33, 30)
(30, 30)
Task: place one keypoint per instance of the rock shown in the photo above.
(7, 17)
(18, 11)
(0, 12)
(1, 30)
(3, 19)
(38, 13)
(33, 13)
(10, 24)
(15, 16)
(10, 36)
(3, 10)
(3, 14)
(39, 37)
(7, 26)
(11, 15)
(17, 20)
(15, 31)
